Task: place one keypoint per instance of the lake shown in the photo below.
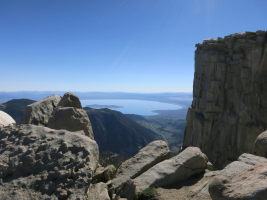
(129, 106)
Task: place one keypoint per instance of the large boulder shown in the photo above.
(71, 119)
(146, 158)
(174, 170)
(98, 191)
(260, 146)
(245, 179)
(59, 113)
(6, 119)
(38, 113)
(70, 100)
(40, 163)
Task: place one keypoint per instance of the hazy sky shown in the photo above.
(113, 45)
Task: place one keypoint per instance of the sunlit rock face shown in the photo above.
(229, 108)
(40, 163)
(58, 112)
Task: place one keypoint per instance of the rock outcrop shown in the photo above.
(229, 108)
(37, 162)
(260, 146)
(245, 179)
(6, 119)
(113, 131)
(58, 112)
(146, 158)
(174, 170)
(70, 100)
(39, 112)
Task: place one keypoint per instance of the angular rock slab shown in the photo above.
(260, 146)
(39, 112)
(174, 170)
(6, 119)
(71, 119)
(70, 100)
(146, 158)
(40, 163)
(98, 191)
(245, 179)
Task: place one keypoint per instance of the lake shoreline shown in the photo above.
(130, 106)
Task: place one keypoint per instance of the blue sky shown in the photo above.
(113, 45)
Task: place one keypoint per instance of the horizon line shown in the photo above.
(140, 92)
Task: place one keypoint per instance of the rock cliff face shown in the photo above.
(229, 108)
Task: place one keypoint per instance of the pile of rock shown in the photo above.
(151, 167)
(56, 159)
(243, 179)
(50, 156)
(58, 112)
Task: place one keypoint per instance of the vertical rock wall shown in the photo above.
(229, 108)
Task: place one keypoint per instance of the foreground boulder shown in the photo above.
(174, 170)
(39, 112)
(71, 119)
(6, 119)
(41, 163)
(58, 112)
(260, 146)
(245, 179)
(146, 158)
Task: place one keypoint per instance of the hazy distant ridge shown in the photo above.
(179, 98)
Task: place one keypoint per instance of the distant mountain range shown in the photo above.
(178, 98)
